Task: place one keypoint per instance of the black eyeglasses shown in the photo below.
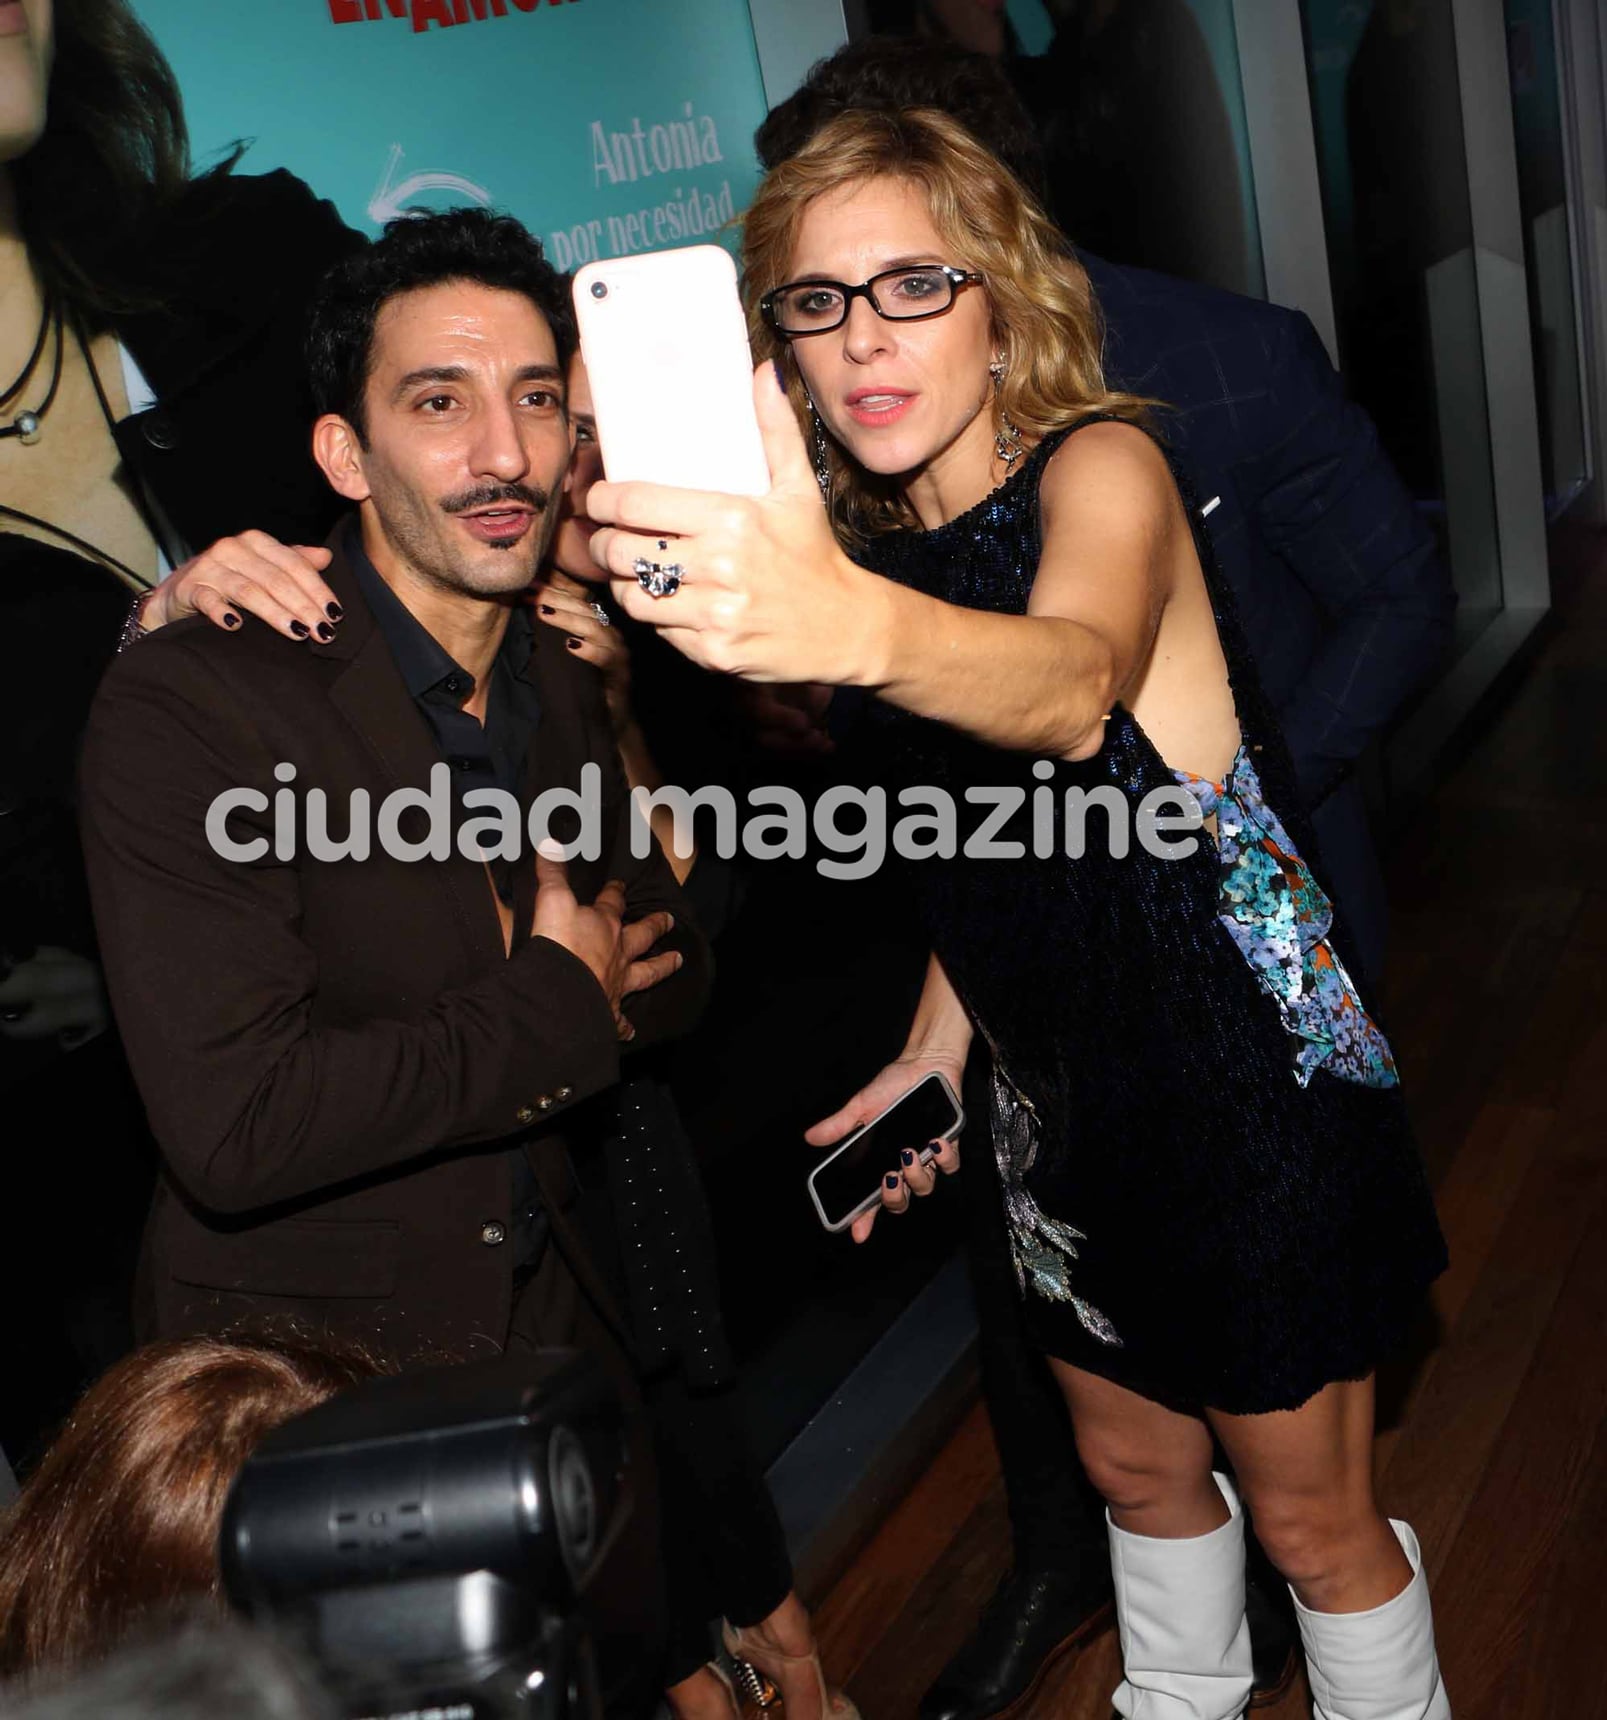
(899, 295)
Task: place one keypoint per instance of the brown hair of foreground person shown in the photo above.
(120, 1520)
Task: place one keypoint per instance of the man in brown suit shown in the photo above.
(365, 1073)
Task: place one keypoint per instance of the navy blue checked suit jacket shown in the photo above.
(1345, 600)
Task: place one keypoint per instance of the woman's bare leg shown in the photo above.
(1177, 1553)
(1151, 1465)
(1307, 1476)
(1364, 1609)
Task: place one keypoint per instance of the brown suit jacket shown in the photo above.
(336, 1056)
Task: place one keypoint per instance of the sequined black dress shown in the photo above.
(1191, 1212)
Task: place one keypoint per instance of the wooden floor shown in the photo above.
(1495, 1443)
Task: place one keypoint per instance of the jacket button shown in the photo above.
(525, 1114)
(493, 1233)
(160, 431)
(544, 1103)
(564, 1093)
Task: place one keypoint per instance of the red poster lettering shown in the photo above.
(444, 13)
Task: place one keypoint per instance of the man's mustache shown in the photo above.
(531, 496)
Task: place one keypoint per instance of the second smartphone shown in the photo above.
(849, 1181)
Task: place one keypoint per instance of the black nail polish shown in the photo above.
(299, 628)
(325, 631)
(14, 1011)
(573, 644)
(546, 609)
(334, 611)
(231, 619)
(908, 1155)
(892, 1179)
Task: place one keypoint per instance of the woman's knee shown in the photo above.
(1132, 1477)
(1311, 1536)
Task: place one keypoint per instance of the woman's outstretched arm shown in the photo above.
(767, 593)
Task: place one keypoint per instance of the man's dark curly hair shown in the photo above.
(415, 252)
(884, 72)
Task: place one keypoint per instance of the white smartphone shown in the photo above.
(666, 350)
(849, 1181)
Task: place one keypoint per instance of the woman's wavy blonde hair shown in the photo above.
(1046, 323)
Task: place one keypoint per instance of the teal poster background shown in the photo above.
(606, 126)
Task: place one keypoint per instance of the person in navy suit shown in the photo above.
(1344, 597)
(1347, 608)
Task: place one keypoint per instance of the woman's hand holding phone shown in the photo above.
(765, 591)
(914, 1178)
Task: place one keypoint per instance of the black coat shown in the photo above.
(1345, 601)
(231, 266)
(336, 1057)
(232, 269)
(229, 269)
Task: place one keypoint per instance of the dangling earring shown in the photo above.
(822, 466)
(1007, 440)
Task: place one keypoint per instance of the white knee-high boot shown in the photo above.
(1180, 1611)
(1377, 1665)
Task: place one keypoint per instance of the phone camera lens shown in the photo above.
(599, 289)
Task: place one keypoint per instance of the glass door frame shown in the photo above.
(1581, 35)
(788, 38)
(1294, 242)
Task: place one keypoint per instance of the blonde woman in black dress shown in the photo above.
(1215, 1210)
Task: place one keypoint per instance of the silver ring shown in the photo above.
(657, 578)
(602, 615)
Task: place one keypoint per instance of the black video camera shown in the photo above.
(465, 1542)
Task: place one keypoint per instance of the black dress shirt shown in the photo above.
(488, 755)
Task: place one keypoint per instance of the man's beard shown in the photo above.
(417, 533)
